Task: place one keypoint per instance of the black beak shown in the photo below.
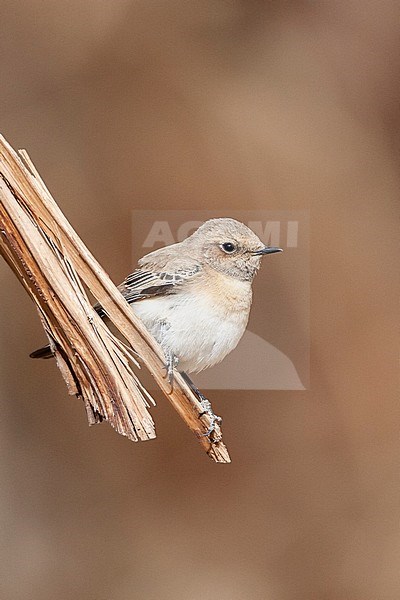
(267, 250)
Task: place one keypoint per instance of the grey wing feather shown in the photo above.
(143, 284)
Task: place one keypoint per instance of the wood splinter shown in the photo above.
(56, 268)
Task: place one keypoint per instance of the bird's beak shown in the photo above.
(267, 250)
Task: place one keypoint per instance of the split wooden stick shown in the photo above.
(56, 269)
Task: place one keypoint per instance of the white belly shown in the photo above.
(199, 332)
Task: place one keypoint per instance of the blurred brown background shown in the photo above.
(210, 104)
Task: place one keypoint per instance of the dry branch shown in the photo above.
(56, 268)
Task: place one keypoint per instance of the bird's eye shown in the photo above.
(228, 247)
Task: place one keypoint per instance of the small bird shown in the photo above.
(195, 296)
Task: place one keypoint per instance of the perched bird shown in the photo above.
(195, 296)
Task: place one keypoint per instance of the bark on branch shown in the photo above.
(57, 269)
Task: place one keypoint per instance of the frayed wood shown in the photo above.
(56, 269)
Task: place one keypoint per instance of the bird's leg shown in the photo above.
(171, 360)
(205, 403)
(171, 363)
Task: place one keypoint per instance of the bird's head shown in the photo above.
(230, 247)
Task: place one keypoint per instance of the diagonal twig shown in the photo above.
(56, 269)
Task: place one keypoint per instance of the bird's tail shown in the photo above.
(44, 352)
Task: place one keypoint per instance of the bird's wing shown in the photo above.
(145, 283)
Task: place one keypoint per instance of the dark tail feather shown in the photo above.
(44, 352)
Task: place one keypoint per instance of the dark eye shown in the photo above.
(228, 247)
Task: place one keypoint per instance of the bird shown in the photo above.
(195, 296)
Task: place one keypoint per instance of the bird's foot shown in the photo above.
(207, 410)
(206, 406)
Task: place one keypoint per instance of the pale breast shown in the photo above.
(200, 324)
